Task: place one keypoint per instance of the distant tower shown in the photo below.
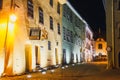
(99, 34)
(99, 31)
(100, 47)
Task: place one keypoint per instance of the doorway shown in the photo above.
(64, 57)
(37, 55)
(56, 55)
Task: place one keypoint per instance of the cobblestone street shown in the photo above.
(86, 71)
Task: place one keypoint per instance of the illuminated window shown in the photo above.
(51, 3)
(51, 23)
(1, 2)
(49, 45)
(99, 46)
(58, 28)
(30, 8)
(41, 16)
(58, 8)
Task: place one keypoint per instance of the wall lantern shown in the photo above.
(109, 49)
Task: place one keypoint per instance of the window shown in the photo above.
(71, 36)
(51, 3)
(30, 8)
(41, 16)
(51, 23)
(99, 46)
(58, 8)
(1, 2)
(64, 33)
(68, 35)
(49, 45)
(58, 28)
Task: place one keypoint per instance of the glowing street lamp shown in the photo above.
(11, 21)
(9, 40)
(10, 24)
(12, 18)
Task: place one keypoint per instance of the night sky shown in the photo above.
(92, 11)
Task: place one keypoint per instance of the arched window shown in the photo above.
(41, 16)
(30, 8)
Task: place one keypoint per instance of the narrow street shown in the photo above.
(85, 71)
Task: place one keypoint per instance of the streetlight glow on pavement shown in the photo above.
(29, 76)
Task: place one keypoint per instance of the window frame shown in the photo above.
(49, 45)
(58, 8)
(30, 9)
(51, 3)
(51, 23)
(58, 26)
(41, 15)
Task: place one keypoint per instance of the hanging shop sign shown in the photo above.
(34, 33)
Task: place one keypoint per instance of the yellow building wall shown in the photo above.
(103, 50)
(19, 58)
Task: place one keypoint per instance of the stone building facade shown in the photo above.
(73, 34)
(100, 47)
(35, 39)
(88, 47)
(112, 8)
(100, 50)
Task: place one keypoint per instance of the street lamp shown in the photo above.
(9, 41)
(12, 17)
(10, 24)
(11, 21)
